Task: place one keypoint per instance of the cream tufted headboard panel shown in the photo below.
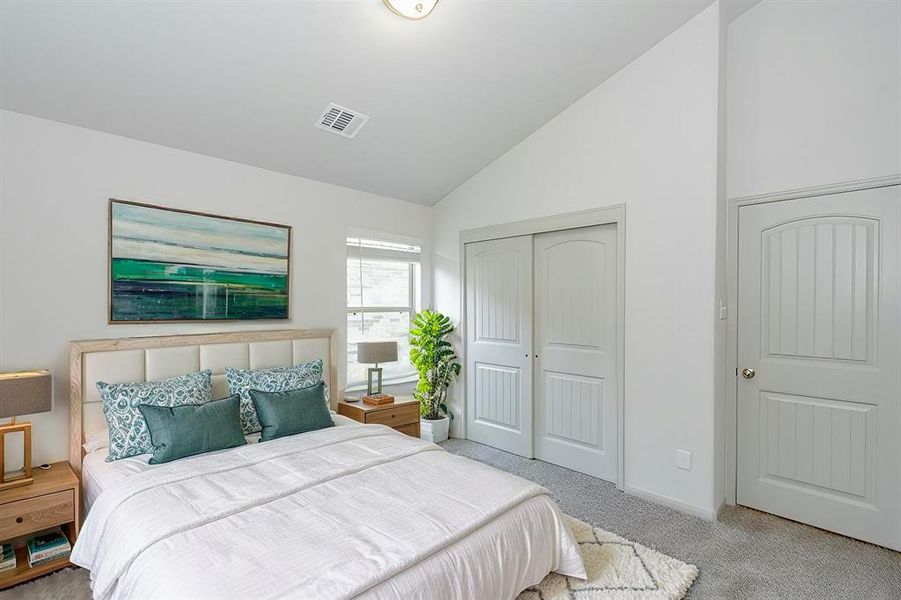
(153, 358)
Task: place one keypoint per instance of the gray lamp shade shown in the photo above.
(24, 393)
(376, 352)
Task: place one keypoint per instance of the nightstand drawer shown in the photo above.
(411, 430)
(404, 414)
(33, 514)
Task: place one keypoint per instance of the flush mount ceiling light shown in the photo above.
(411, 9)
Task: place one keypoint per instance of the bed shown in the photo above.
(352, 511)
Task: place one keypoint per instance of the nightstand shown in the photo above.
(402, 414)
(52, 500)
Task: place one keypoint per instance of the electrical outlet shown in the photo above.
(683, 459)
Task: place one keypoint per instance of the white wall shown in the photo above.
(56, 181)
(813, 94)
(646, 138)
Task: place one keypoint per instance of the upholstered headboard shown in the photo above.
(153, 358)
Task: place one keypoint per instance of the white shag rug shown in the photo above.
(617, 570)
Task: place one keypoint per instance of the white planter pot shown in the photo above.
(433, 431)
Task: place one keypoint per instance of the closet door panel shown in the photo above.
(499, 343)
(575, 341)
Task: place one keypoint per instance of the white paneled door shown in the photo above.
(819, 382)
(499, 343)
(575, 362)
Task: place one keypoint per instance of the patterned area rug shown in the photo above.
(617, 570)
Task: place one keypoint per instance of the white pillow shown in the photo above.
(96, 440)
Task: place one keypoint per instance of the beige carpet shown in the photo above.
(617, 570)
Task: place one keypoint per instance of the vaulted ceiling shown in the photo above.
(246, 80)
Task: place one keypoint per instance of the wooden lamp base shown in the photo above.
(12, 480)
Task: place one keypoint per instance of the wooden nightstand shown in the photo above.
(402, 414)
(52, 500)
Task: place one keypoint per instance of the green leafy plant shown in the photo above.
(435, 360)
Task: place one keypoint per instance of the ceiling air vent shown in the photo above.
(342, 121)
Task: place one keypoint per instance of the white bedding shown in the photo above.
(355, 511)
(97, 474)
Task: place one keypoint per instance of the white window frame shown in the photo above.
(414, 296)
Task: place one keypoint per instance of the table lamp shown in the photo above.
(21, 393)
(369, 353)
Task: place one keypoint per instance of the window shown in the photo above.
(383, 292)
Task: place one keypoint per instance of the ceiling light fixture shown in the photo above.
(411, 9)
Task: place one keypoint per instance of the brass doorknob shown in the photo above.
(748, 373)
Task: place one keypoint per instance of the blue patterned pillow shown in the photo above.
(279, 379)
(128, 433)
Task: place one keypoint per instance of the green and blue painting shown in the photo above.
(169, 265)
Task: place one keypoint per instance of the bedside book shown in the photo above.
(47, 547)
(34, 562)
(47, 555)
(8, 559)
(49, 559)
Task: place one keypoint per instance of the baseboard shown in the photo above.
(690, 509)
(719, 509)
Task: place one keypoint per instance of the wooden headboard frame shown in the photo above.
(78, 349)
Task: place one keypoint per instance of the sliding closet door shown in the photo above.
(499, 343)
(575, 363)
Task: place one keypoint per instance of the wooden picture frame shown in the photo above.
(151, 271)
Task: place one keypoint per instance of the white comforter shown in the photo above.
(338, 513)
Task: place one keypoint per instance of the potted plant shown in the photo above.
(436, 362)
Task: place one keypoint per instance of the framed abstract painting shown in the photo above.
(178, 265)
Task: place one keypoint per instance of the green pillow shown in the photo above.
(291, 412)
(180, 431)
